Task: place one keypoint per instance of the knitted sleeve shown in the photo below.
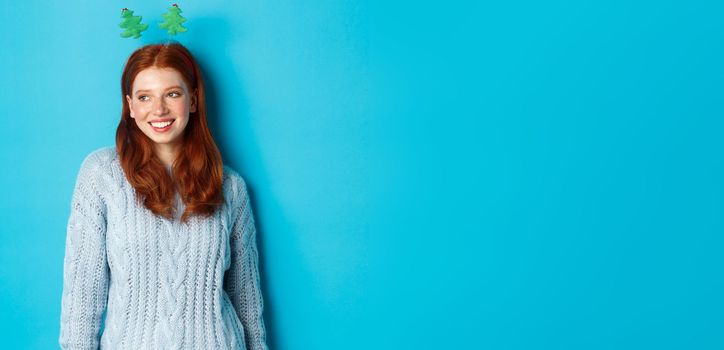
(241, 281)
(85, 270)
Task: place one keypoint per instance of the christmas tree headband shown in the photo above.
(172, 22)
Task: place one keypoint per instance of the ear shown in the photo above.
(192, 108)
(128, 99)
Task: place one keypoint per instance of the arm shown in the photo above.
(241, 281)
(85, 270)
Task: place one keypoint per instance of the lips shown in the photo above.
(167, 125)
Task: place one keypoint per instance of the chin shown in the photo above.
(159, 139)
(165, 141)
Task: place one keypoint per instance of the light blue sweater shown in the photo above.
(161, 284)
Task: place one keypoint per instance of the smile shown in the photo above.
(162, 126)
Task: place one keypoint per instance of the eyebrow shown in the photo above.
(169, 88)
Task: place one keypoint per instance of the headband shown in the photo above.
(132, 26)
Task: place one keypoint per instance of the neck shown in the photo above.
(167, 153)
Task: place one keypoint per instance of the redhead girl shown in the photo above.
(161, 242)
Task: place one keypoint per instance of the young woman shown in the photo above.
(161, 240)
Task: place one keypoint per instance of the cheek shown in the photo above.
(137, 111)
(182, 106)
(140, 123)
(184, 122)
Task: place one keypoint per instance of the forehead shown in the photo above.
(154, 78)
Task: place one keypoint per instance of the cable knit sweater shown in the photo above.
(159, 283)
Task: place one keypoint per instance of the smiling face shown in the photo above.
(160, 105)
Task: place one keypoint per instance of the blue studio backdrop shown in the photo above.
(424, 175)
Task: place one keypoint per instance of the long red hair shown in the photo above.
(198, 169)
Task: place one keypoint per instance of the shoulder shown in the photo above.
(96, 167)
(234, 186)
(92, 181)
(97, 158)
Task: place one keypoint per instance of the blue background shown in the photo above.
(424, 175)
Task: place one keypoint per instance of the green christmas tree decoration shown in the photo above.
(172, 20)
(132, 24)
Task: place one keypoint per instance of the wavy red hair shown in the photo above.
(198, 169)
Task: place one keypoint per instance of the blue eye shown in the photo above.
(141, 97)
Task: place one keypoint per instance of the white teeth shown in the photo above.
(162, 125)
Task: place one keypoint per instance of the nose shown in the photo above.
(160, 107)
